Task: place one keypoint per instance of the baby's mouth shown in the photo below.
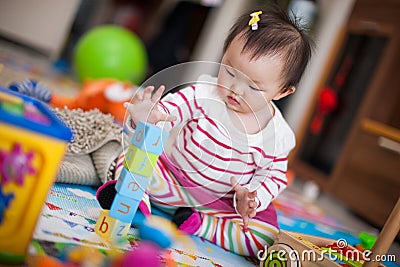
(232, 100)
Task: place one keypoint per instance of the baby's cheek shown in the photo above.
(221, 91)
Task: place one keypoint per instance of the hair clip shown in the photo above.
(255, 17)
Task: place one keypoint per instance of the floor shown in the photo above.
(21, 62)
(334, 208)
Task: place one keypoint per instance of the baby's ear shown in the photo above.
(287, 92)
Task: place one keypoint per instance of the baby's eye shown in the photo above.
(254, 88)
(230, 72)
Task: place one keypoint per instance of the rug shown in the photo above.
(70, 214)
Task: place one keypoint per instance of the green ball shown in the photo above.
(110, 51)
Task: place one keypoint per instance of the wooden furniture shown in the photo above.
(356, 155)
(386, 236)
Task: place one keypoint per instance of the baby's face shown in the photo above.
(248, 85)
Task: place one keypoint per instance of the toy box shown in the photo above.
(32, 143)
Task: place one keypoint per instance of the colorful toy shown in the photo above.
(32, 143)
(295, 249)
(154, 235)
(328, 99)
(132, 182)
(367, 240)
(107, 95)
(145, 254)
(48, 261)
(110, 52)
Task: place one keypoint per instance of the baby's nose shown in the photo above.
(236, 89)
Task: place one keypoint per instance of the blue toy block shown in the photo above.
(131, 185)
(139, 161)
(150, 138)
(123, 208)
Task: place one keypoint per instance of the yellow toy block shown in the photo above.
(139, 161)
(110, 228)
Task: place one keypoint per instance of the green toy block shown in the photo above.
(139, 161)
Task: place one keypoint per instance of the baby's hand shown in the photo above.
(245, 203)
(144, 106)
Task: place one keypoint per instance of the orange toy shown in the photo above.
(107, 95)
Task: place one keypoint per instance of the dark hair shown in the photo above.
(277, 34)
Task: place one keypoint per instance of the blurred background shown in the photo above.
(345, 113)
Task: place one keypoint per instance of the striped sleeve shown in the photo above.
(181, 104)
(270, 181)
(270, 178)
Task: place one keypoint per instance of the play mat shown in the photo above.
(70, 213)
(69, 217)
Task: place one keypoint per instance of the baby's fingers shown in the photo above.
(166, 117)
(138, 95)
(252, 195)
(147, 92)
(245, 222)
(158, 94)
(252, 204)
(128, 106)
(234, 183)
(252, 211)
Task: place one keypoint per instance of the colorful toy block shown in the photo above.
(110, 228)
(124, 208)
(131, 185)
(149, 138)
(139, 161)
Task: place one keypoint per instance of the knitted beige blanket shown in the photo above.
(92, 153)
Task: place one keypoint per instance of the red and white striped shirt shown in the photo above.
(208, 149)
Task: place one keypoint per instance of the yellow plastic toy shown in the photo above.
(32, 144)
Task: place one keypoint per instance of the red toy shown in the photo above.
(107, 95)
(327, 103)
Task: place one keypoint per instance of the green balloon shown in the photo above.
(110, 51)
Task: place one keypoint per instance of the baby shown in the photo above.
(229, 159)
